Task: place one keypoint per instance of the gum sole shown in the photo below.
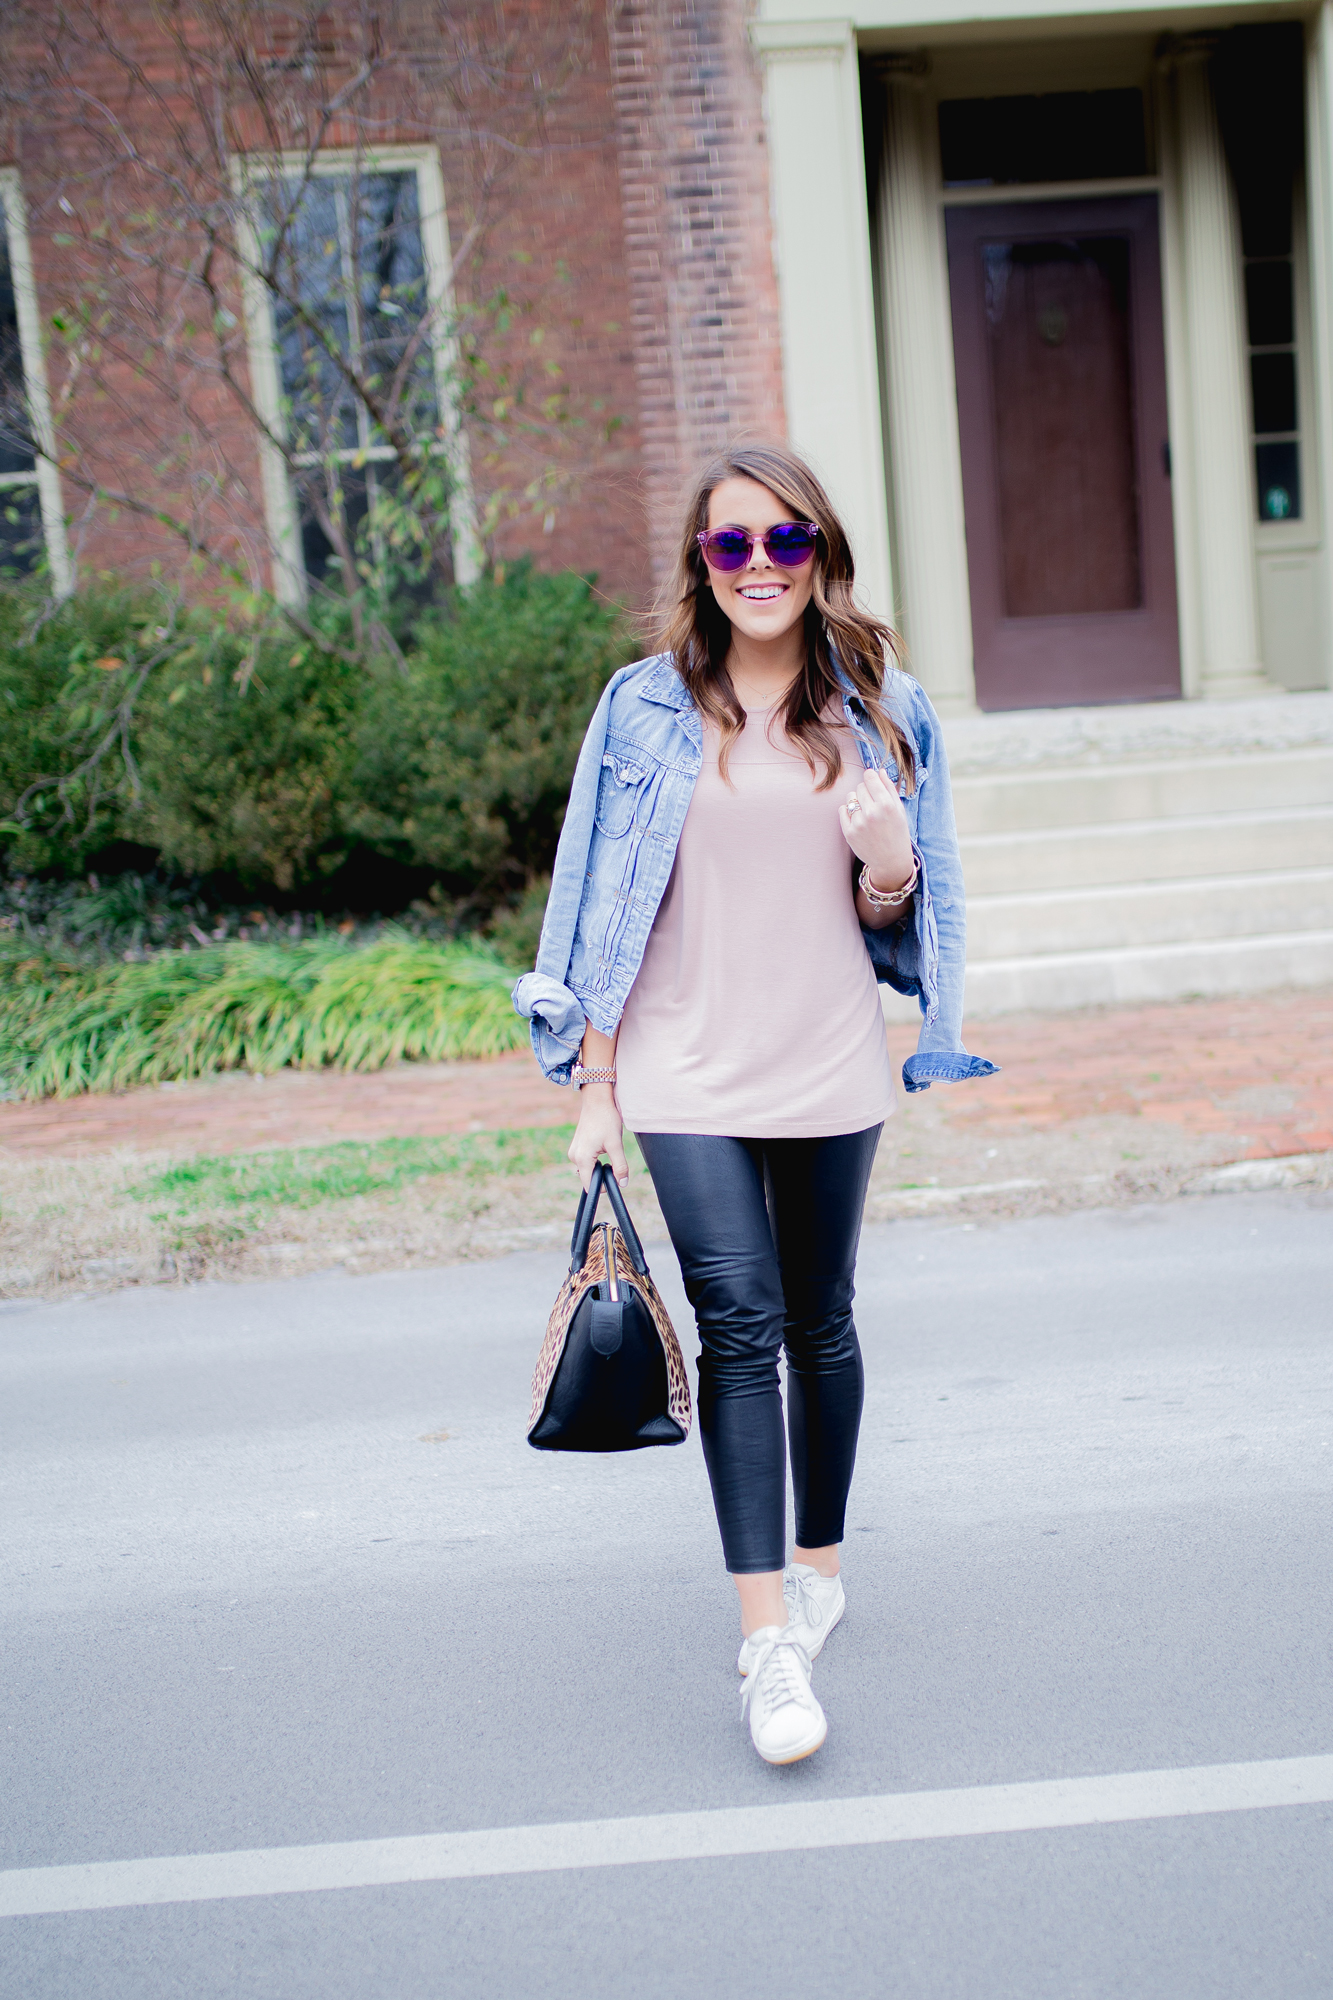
(796, 1755)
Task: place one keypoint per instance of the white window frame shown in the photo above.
(1276, 537)
(46, 478)
(289, 578)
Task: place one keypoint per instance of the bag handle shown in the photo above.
(586, 1215)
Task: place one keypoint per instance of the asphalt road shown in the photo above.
(256, 1598)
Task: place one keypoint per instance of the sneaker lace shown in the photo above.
(785, 1666)
(799, 1592)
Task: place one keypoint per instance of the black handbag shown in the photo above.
(610, 1375)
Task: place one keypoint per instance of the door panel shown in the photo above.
(1057, 328)
(1062, 417)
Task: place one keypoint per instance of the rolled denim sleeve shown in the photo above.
(542, 996)
(557, 1022)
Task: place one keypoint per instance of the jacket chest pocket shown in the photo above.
(619, 790)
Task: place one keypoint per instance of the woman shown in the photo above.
(760, 827)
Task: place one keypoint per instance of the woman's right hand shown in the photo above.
(600, 1130)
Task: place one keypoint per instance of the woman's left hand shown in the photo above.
(874, 826)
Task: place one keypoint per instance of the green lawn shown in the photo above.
(304, 1176)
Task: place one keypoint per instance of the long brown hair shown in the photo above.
(697, 631)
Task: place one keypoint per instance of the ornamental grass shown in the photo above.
(68, 1027)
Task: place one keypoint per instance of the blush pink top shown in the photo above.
(755, 1013)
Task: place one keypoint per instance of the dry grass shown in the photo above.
(129, 1218)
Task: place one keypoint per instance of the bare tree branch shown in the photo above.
(151, 225)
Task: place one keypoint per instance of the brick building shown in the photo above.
(1047, 295)
(631, 229)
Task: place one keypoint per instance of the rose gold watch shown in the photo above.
(579, 1075)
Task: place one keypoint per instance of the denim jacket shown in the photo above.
(631, 791)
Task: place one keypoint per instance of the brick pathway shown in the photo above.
(1255, 1075)
(240, 1113)
(1258, 1070)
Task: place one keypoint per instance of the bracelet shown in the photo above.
(893, 899)
(578, 1076)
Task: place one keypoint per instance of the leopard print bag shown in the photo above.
(610, 1375)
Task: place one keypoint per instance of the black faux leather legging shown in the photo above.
(766, 1232)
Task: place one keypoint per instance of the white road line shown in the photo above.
(694, 1836)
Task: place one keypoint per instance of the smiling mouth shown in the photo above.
(762, 593)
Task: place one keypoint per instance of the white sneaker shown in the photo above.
(814, 1603)
(786, 1722)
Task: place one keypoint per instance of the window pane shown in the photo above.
(1265, 218)
(1273, 379)
(1258, 79)
(1268, 304)
(20, 530)
(391, 280)
(309, 272)
(1278, 467)
(321, 564)
(16, 454)
(348, 255)
(352, 255)
(1061, 136)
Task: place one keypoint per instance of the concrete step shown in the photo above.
(1081, 739)
(1136, 975)
(1144, 852)
(1149, 913)
(1164, 788)
(1154, 850)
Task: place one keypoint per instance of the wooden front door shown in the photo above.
(1057, 324)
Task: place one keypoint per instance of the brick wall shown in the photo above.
(557, 247)
(629, 225)
(698, 241)
(134, 416)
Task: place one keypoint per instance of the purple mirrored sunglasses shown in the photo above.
(789, 544)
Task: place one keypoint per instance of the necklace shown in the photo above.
(753, 699)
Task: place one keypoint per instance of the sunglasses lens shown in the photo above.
(790, 544)
(727, 548)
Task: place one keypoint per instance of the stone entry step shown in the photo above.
(1172, 787)
(1138, 975)
(1145, 853)
(1154, 850)
(1121, 916)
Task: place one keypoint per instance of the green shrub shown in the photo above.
(67, 1027)
(247, 758)
(257, 757)
(125, 916)
(61, 679)
(515, 933)
(464, 762)
(226, 752)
